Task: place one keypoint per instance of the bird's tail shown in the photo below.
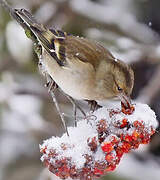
(33, 29)
(15, 16)
(42, 34)
(36, 31)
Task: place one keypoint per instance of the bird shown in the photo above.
(82, 68)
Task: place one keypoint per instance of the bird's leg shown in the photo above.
(93, 105)
(75, 107)
(75, 103)
(52, 86)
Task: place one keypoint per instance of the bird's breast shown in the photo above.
(76, 82)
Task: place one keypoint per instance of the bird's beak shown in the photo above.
(125, 100)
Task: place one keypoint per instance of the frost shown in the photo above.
(98, 142)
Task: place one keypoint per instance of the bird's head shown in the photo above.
(123, 81)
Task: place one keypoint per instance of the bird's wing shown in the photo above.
(61, 46)
(83, 50)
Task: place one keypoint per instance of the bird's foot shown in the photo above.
(93, 105)
(75, 107)
(51, 85)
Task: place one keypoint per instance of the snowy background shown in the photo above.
(128, 28)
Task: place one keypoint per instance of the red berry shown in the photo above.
(107, 147)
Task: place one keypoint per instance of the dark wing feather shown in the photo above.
(61, 46)
(85, 50)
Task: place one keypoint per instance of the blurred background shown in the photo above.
(128, 28)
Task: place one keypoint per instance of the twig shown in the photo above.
(75, 107)
(74, 103)
(75, 114)
(59, 111)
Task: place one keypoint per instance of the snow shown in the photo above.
(142, 112)
(99, 156)
(150, 24)
(77, 144)
(76, 138)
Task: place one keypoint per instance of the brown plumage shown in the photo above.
(83, 69)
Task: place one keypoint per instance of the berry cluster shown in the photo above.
(96, 146)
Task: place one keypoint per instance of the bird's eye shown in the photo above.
(119, 89)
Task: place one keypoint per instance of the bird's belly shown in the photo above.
(76, 82)
(73, 88)
(79, 84)
(76, 85)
